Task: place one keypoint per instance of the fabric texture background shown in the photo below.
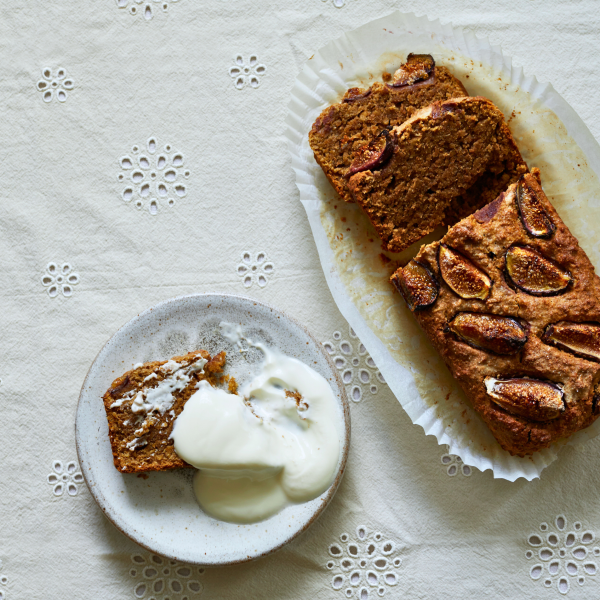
(168, 78)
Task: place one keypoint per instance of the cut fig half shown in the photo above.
(417, 67)
(373, 154)
(417, 284)
(534, 217)
(462, 276)
(581, 339)
(533, 399)
(533, 273)
(501, 335)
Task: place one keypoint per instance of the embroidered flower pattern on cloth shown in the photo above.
(59, 279)
(65, 478)
(137, 7)
(3, 583)
(255, 269)
(55, 85)
(161, 579)
(249, 73)
(454, 465)
(566, 554)
(359, 371)
(337, 3)
(363, 565)
(153, 177)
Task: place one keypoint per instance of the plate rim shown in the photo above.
(345, 406)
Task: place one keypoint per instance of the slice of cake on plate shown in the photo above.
(142, 405)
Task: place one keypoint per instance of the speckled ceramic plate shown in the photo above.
(161, 513)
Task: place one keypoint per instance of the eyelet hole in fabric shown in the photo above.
(255, 268)
(150, 177)
(246, 73)
(363, 563)
(358, 382)
(565, 554)
(54, 85)
(59, 279)
(160, 577)
(64, 477)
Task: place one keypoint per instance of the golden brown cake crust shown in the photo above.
(344, 127)
(485, 238)
(139, 440)
(449, 159)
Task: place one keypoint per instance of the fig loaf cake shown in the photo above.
(142, 405)
(512, 303)
(343, 128)
(442, 164)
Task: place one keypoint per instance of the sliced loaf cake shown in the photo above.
(441, 165)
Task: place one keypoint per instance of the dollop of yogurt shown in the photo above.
(273, 444)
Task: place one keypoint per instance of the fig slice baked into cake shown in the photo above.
(512, 303)
(142, 405)
(439, 166)
(343, 128)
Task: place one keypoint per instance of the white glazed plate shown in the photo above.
(161, 512)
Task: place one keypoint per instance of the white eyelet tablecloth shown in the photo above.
(143, 157)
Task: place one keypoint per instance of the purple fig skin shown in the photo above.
(526, 268)
(488, 212)
(534, 218)
(493, 333)
(596, 400)
(373, 154)
(533, 399)
(353, 97)
(417, 284)
(417, 67)
(114, 391)
(581, 339)
(429, 81)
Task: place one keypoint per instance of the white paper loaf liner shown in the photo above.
(356, 59)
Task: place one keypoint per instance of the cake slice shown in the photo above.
(512, 303)
(343, 128)
(444, 163)
(142, 405)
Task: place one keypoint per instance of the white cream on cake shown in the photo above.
(159, 399)
(258, 455)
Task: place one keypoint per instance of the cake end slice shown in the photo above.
(142, 405)
(341, 129)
